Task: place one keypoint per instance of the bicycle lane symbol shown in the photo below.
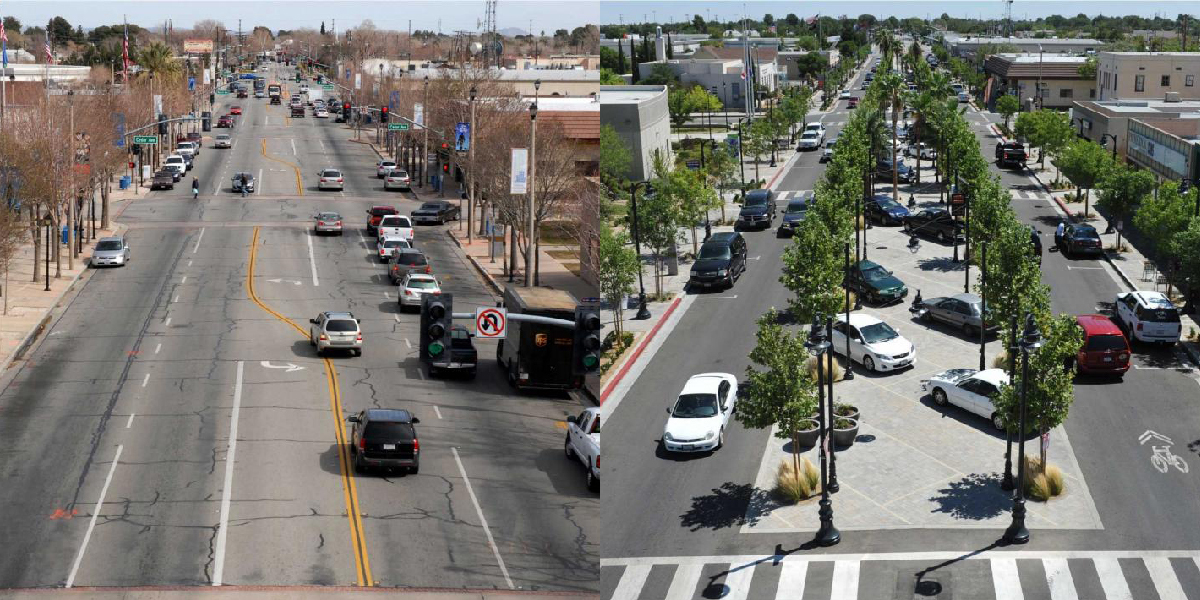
(1163, 459)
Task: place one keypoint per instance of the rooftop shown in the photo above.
(630, 94)
(1134, 107)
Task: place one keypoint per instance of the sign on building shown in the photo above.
(197, 46)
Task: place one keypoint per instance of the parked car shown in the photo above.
(383, 167)
(437, 211)
(936, 223)
(883, 169)
(376, 213)
(111, 251)
(163, 180)
(882, 209)
(969, 389)
(185, 149)
(197, 138)
(1105, 351)
(327, 222)
(1080, 238)
(176, 161)
(386, 246)
(701, 413)
(758, 209)
(797, 209)
(873, 343)
(926, 151)
(385, 438)
(335, 330)
(583, 444)
(721, 261)
(965, 311)
(397, 179)
(413, 287)
(405, 261)
(223, 140)
(238, 178)
(1148, 317)
(875, 284)
(330, 179)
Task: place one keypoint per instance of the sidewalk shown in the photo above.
(29, 306)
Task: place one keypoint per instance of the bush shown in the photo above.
(792, 487)
(812, 367)
(1001, 360)
(1042, 484)
(853, 301)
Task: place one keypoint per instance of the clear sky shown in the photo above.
(282, 14)
(638, 11)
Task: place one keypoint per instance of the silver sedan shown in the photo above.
(110, 251)
(327, 222)
(330, 179)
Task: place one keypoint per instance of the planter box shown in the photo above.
(808, 439)
(845, 437)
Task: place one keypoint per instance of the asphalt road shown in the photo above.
(158, 360)
(660, 506)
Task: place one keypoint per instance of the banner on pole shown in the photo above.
(462, 137)
(119, 129)
(207, 76)
(520, 171)
(419, 114)
(157, 104)
(358, 81)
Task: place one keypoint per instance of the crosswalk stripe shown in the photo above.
(1164, 579)
(1058, 576)
(738, 582)
(1112, 580)
(1005, 579)
(631, 582)
(791, 581)
(683, 585)
(845, 580)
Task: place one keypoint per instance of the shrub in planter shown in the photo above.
(1043, 484)
(792, 487)
(844, 431)
(807, 438)
(812, 367)
(845, 411)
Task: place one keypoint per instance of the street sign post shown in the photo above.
(397, 126)
(327, 87)
(490, 322)
(150, 140)
(222, 92)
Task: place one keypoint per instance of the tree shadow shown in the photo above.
(727, 506)
(975, 497)
(942, 264)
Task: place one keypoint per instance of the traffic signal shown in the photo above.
(587, 339)
(346, 108)
(437, 317)
(383, 114)
(445, 168)
(212, 98)
(162, 124)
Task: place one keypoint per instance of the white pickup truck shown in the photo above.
(583, 444)
(398, 226)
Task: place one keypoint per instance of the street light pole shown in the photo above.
(849, 361)
(425, 142)
(833, 482)
(643, 313)
(529, 234)
(983, 305)
(1006, 484)
(817, 343)
(1032, 340)
(470, 159)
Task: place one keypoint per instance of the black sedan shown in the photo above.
(438, 212)
(882, 209)
(935, 223)
(1079, 239)
(796, 210)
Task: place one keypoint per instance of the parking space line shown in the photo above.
(482, 519)
(157, 348)
(184, 280)
(92, 524)
(167, 323)
(145, 380)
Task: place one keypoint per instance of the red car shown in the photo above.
(377, 213)
(1105, 349)
(852, 103)
(225, 121)
(235, 110)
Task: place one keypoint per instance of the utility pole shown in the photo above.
(530, 233)
(71, 191)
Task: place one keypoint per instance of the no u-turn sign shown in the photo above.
(490, 323)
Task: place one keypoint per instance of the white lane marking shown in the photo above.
(1112, 580)
(738, 582)
(293, 140)
(1164, 579)
(184, 280)
(632, 580)
(130, 421)
(791, 581)
(175, 299)
(145, 380)
(313, 261)
(845, 580)
(397, 318)
(167, 323)
(420, 374)
(406, 342)
(482, 519)
(189, 263)
(387, 295)
(217, 188)
(1005, 580)
(197, 246)
(92, 523)
(1071, 268)
(1058, 577)
(361, 238)
(267, 121)
(683, 584)
(227, 489)
(259, 185)
(157, 348)
(436, 411)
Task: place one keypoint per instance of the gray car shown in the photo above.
(327, 222)
(960, 310)
(110, 251)
(237, 182)
(335, 330)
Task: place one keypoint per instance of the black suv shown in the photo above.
(758, 210)
(721, 261)
(795, 212)
(883, 169)
(384, 437)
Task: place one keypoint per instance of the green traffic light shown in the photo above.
(436, 348)
(591, 361)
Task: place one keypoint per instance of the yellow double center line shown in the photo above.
(362, 563)
(299, 184)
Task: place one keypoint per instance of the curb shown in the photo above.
(1115, 266)
(492, 283)
(612, 383)
(369, 145)
(48, 314)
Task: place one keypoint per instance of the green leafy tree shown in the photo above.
(892, 89)
(1047, 130)
(1083, 162)
(759, 138)
(615, 160)
(1186, 249)
(617, 271)
(659, 218)
(1088, 69)
(782, 392)
(607, 77)
(661, 74)
(723, 172)
(1163, 217)
(695, 199)
(1122, 189)
(157, 59)
(812, 271)
(1007, 106)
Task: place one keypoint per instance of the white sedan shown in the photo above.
(321, 113)
(416, 285)
(969, 389)
(845, 95)
(701, 414)
(873, 343)
(385, 247)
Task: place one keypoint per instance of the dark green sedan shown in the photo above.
(875, 284)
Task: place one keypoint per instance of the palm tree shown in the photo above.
(921, 103)
(158, 61)
(892, 88)
(914, 53)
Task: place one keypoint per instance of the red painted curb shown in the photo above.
(771, 183)
(638, 352)
(1063, 207)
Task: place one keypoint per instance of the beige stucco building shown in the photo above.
(1147, 75)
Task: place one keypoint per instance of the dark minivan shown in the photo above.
(385, 438)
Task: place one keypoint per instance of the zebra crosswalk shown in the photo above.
(785, 195)
(992, 575)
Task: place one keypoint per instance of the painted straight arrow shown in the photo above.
(291, 281)
(288, 366)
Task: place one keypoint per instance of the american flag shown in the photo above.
(812, 19)
(49, 54)
(4, 44)
(125, 56)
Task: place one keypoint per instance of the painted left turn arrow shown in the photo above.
(289, 366)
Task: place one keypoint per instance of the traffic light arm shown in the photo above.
(155, 124)
(526, 318)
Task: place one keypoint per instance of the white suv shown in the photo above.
(1148, 317)
(335, 330)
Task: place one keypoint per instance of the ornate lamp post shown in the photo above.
(530, 233)
(849, 361)
(49, 223)
(1006, 484)
(983, 304)
(643, 313)
(817, 343)
(1031, 341)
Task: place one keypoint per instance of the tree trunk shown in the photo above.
(58, 223)
(796, 453)
(104, 191)
(34, 221)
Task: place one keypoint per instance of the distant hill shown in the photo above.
(512, 31)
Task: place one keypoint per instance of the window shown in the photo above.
(1189, 80)
(1092, 93)
(1115, 81)
(1065, 93)
(1166, 81)
(1139, 83)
